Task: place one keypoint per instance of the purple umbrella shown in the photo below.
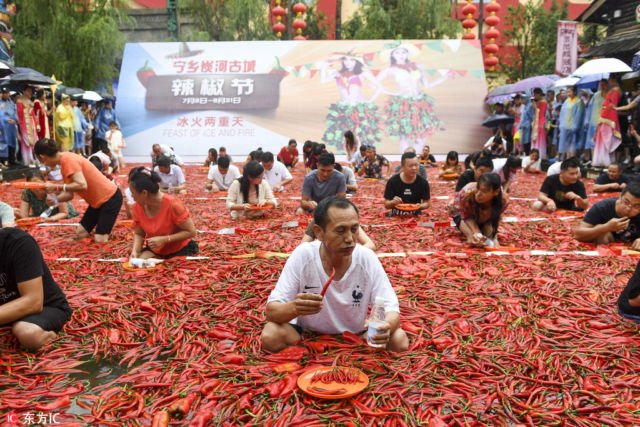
(531, 83)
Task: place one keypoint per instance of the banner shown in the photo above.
(567, 48)
(245, 95)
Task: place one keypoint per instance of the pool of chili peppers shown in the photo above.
(522, 339)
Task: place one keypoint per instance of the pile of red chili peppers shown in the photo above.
(523, 339)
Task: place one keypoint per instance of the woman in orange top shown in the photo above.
(160, 219)
(81, 176)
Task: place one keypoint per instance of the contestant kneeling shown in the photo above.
(613, 220)
(477, 208)
(251, 189)
(407, 187)
(295, 304)
(30, 300)
(160, 219)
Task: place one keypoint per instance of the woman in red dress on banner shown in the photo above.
(538, 128)
(608, 136)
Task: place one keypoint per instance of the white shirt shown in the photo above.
(347, 301)
(167, 151)
(175, 177)
(223, 181)
(498, 164)
(235, 197)
(536, 165)
(349, 176)
(277, 174)
(554, 169)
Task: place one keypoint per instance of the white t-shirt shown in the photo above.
(277, 174)
(167, 151)
(347, 301)
(537, 165)
(223, 181)
(554, 169)
(175, 177)
(349, 176)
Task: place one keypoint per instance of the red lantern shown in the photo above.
(299, 8)
(468, 23)
(279, 27)
(468, 36)
(492, 20)
(299, 24)
(490, 62)
(492, 8)
(491, 48)
(492, 33)
(278, 11)
(469, 9)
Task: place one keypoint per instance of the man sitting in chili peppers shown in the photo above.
(629, 299)
(613, 220)
(296, 304)
(30, 300)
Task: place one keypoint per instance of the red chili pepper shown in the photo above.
(326, 285)
(61, 402)
(236, 359)
(180, 408)
(161, 419)
(286, 367)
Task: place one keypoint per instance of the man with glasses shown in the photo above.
(221, 175)
(613, 220)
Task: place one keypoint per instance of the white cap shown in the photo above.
(379, 300)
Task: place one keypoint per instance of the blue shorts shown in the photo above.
(78, 140)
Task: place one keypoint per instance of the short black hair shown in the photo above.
(633, 188)
(326, 159)
(618, 165)
(293, 142)
(538, 91)
(571, 162)
(267, 157)
(163, 161)
(223, 162)
(407, 155)
(321, 213)
(363, 148)
(484, 161)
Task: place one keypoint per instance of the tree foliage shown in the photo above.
(220, 20)
(532, 31)
(407, 19)
(78, 43)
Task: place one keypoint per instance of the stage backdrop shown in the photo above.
(244, 95)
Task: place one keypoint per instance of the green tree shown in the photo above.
(532, 31)
(78, 42)
(220, 20)
(407, 19)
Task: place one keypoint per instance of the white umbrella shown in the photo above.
(602, 65)
(566, 81)
(90, 95)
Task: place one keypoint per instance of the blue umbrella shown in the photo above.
(591, 81)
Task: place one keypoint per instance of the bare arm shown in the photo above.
(306, 203)
(601, 188)
(303, 305)
(30, 301)
(586, 232)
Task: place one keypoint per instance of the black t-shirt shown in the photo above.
(632, 290)
(555, 190)
(604, 179)
(465, 178)
(21, 260)
(603, 211)
(415, 192)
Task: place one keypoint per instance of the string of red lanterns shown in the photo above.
(491, 35)
(299, 24)
(469, 22)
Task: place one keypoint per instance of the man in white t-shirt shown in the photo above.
(276, 173)
(158, 150)
(296, 305)
(171, 176)
(222, 174)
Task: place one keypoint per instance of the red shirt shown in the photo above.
(172, 214)
(286, 157)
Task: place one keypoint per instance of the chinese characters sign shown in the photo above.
(567, 48)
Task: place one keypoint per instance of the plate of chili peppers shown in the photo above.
(28, 222)
(333, 382)
(408, 207)
(260, 208)
(138, 264)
